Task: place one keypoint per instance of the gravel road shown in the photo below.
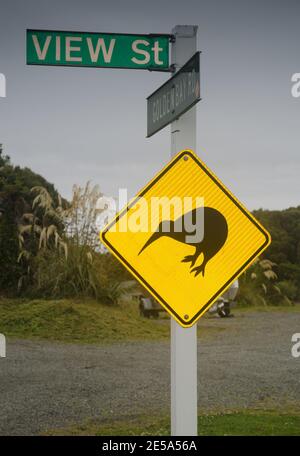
(243, 362)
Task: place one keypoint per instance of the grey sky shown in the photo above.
(76, 124)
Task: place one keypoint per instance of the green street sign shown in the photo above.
(105, 50)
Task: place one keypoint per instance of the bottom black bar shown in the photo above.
(90, 446)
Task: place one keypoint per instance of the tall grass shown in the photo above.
(59, 247)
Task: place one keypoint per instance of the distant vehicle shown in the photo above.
(223, 304)
(150, 308)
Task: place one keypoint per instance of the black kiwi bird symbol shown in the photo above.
(215, 235)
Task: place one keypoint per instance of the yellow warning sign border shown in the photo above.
(140, 278)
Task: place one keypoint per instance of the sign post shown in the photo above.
(188, 288)
(184, 399)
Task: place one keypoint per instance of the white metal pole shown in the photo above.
(183, 340)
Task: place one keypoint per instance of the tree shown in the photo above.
(4, 159)
(15, 200)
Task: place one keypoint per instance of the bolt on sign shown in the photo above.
(147, 52)
(175, 97)
(185, 237)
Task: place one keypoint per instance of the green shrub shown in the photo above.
(288, 288)
(259, 285)
(82, 273)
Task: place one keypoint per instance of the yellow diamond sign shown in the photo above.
(185, 237)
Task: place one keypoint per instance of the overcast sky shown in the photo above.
(76, 124)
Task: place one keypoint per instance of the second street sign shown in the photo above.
(174, 97)
(146, 52)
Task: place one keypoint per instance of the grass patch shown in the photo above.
(246, 423)
(84, 321)
(77, 321)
